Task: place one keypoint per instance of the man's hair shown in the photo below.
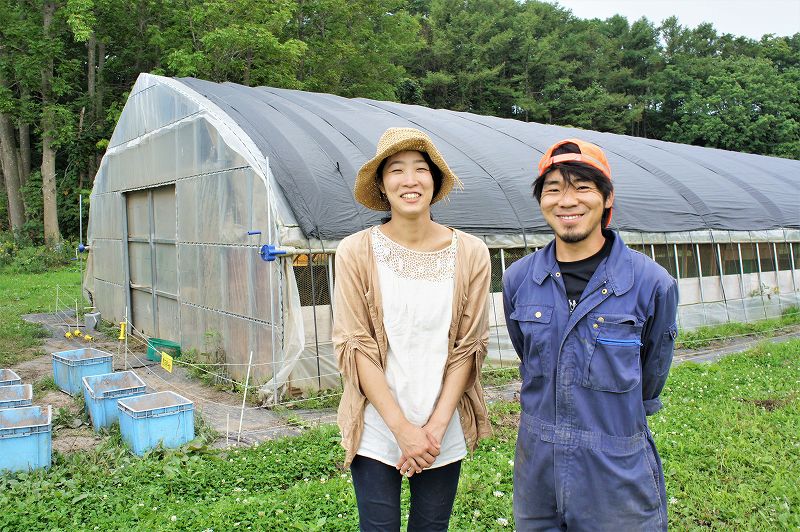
(573, 171)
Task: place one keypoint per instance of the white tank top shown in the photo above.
(417, 293)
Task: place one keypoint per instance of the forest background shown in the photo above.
(66, 68)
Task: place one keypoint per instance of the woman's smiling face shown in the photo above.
(408, 183)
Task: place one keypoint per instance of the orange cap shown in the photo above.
(590, 155)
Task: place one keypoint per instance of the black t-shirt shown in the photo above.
(576, 274)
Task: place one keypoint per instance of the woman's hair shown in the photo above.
(573, 171)
(436, 173)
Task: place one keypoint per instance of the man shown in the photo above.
(593, 323)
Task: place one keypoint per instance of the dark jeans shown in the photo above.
(377, 488)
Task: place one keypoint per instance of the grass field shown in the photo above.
(25, 293)
(729, 436)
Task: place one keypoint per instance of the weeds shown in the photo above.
(717, 334)
(731, 463)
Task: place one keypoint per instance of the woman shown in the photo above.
(410, 332)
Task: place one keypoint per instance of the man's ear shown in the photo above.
(609, 200)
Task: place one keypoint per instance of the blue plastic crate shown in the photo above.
(69, 367)
(101, 393)
(16, 396)
(25, 441)
(163, 417)
(9, 378)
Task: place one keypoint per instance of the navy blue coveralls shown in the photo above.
(585, 458)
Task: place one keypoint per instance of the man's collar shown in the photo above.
(618, 265)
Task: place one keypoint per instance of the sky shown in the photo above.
(751, 18)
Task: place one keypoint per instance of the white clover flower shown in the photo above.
(173, 518)
(476, 513)
(502, 521)
(498, 493)
(673, 500)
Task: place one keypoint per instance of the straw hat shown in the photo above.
(395, 140)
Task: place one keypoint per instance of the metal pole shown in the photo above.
(246, 386)
(741, 280)
(153, 268)
(314, 314)
(700, 282)
(722, 280)
(127, 333)
(677, 266)
(777, 275)
(792, 265)
(494, 311)
(80, 239)
(760, 281)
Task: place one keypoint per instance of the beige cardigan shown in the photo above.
(358, 326)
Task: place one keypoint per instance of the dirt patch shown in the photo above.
(72, 440)
(219, 409)
(771, 403)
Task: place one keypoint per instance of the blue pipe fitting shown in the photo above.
(269, 252)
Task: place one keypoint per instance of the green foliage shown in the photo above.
(528, 60)
(43, 385)
(716, 334)
(729, 437)
(24, 293)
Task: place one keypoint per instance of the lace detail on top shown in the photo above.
(410, 264)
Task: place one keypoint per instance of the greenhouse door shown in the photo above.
(152, 262)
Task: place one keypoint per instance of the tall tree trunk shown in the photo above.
(4, 224)
(24, 141)
(8, 158)
(52, 235)
(10, 166)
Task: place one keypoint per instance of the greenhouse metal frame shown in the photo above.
(217, 209)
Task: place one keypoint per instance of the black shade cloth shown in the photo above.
(315, 144)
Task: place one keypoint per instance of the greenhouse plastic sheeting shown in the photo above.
(317, 142)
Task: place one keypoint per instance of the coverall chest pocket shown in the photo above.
(613, 363)
(534, 322)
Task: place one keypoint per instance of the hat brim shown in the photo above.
(366, 189)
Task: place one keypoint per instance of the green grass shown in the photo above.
(716, 334)
(25, 293)
(499, 375)
(729, 436)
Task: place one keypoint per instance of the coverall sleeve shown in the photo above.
(658, 345)
(514, 332)
(352, 329)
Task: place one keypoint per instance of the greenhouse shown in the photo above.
(217, 209)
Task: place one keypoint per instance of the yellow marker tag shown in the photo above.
(166, 362)
(121, 330)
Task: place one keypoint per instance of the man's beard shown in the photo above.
(572, 237)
